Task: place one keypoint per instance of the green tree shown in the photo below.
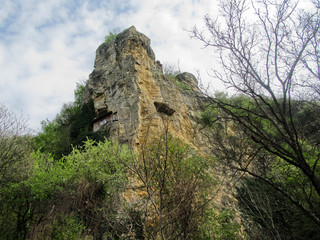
(15, 161)
(88, 182)
(75, 196)
(71, 127)
(273, 176)
(176, 185)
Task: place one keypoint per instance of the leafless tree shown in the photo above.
(14, 143)
(171, 181)
(268, 53)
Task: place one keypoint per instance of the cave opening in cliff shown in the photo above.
(164, 108)
(104, 119)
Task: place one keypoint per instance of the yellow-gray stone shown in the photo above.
(128, 80)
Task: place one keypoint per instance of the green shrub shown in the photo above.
(179, 185)
(71, 127)
(68, 228)
(62, 199)
(110, 36)
(174, 79)
(219, 224)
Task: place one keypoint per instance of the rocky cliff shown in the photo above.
(133, 96)
(137, 102)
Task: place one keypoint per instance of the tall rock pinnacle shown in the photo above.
(132, 95)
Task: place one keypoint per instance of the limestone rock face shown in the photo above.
(132, 95)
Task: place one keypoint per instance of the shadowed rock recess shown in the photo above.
(133, 97)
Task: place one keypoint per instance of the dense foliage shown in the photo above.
(70, 128)
(274, 197)
(103, 190)
(177, 198)
(70, 183)
(68, 198)
(267, 214)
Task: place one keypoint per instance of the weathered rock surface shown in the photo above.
(133, 97)
(128, 83)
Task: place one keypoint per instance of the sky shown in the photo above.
(47, 47)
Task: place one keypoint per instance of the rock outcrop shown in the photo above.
(133, 96)
(137, 102)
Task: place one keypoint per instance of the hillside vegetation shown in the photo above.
(89, 190)
(55, 186)
(69, 182)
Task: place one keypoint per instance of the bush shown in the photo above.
(176, 193)
(79, 194)
(109, 37)
(112, 35)
(71, 127)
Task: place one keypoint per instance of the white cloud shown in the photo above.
(48, 46)
(167, 28)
